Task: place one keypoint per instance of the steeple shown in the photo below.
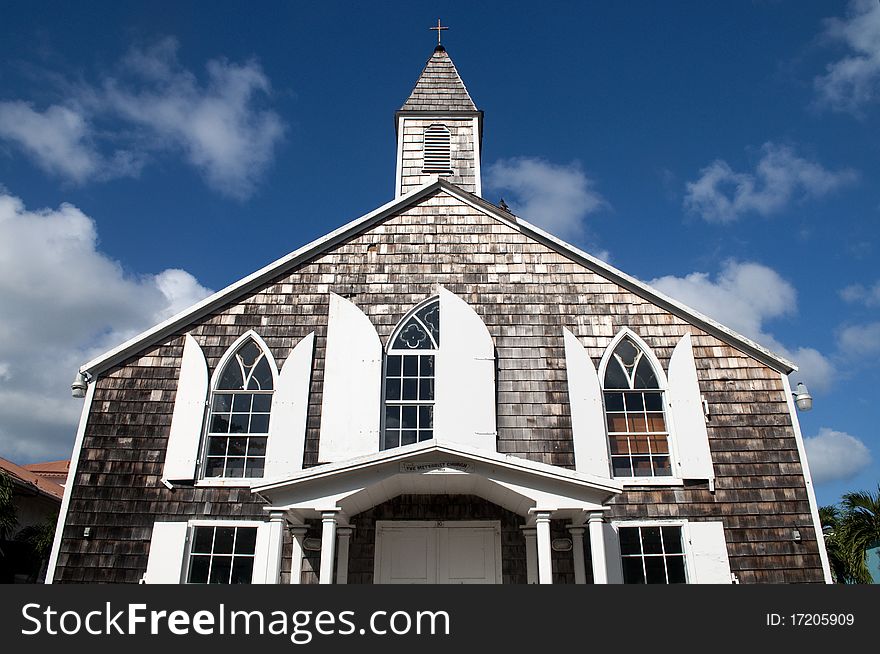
(439, 129)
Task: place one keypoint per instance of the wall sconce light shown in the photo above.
(79, 385)
(796, 535)
(561, 544)
(802, 397)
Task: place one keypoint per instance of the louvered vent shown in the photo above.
(438, 150)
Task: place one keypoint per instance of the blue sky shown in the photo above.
(726, 152)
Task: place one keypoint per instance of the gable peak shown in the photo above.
(439, 87)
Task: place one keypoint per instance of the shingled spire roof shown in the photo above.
(439, 87)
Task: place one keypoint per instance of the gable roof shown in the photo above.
(32, 481)
(316, 247)
(439, 87)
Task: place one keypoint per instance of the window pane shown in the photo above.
(217, 446)
(659, 445)
(259, 423)
(261, 379)
(426, 389)
(242, 402)
(249, 353)
(408, 436)
(254, 467)
(627, 352)
(231, 378)
(653, 401)
(656, 422)
(645, 377)
(426, 416)
(220, 569)
(202, 540)
(198, 569)
(392, 365)
(409, 417)
(392, 439)
(655, 570)
(614, 375)
(641, 466)
(214, 467)
(619, 445)
(392, 417)
(425, 434)
(675, 569)
(638, 445)
(245, 540)
(410, 389)
(262, 403)
(672, 539)
(430, 316)
(235, 467)
(426, 365)
(242, 570)
(629, 540)
(616, 422)
(222, 402)
(412, 337)
(239, 424)
(634, 402)
(651, 543)
(662, 467)
(256, 446)
(614, 401)
(392, 389)
(620, 466)
(632, 571)
(220, 424)
(223, 538)
(410, 366)
(238, 446)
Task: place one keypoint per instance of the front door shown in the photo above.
(448, 552)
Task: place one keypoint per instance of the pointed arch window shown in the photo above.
(241, 403)
(635, 413)
(438, 149)
(409, 377)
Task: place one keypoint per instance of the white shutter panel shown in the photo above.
(188, 416)
(290, 403)
(352, 393)
(708, 553)
(688, 418)
(587, 412)
(264, 556)
(613, 566)
(167, 548)
(464, 405)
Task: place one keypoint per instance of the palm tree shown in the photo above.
(8, 518)
(830, 518)
(862, 530)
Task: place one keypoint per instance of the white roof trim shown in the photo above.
(265, 274)
(507, 461)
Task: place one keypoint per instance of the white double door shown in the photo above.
(449, 552)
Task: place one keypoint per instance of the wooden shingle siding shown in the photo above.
(462, 149)
(525, 293)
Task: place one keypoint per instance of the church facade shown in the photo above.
(439, 392)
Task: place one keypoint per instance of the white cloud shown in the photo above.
(63, 302)
(555, 197)
(153, 104)
(723, 195)
(859, 341)
(869, 296)
(853, 81)
(745, 296)
(835, 455)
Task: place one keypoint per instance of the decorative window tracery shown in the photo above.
(238, 425)
(409, 378)
(635, 415)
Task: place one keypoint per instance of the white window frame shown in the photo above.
(246, 482)
(675, 479)
(391, 351)
(689, 569)
(190, 531)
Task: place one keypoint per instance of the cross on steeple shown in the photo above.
(438, 28)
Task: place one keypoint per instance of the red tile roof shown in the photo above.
(44, 485)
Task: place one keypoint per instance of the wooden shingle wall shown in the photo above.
(525, 293)
(463, 155)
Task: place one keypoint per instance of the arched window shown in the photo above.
(635, 413)
(438, 149)
(241, 401)
(409, 377)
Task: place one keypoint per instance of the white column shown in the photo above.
(296, 560)
(531, 554)
(328, 546)
(597, 548)
(277, 521)
(545, 563)
(577, 552)
(343, 534)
